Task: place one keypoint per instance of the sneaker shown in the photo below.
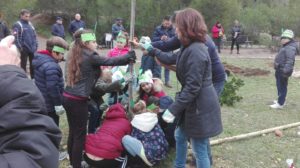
(276, 106)
(62, 155)
(275, 102)
(168, 85)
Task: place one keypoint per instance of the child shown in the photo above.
(149, 86)
(148, 62)
(121, 48)
(147, 139)
(284, 65)
(104, 148)
(83, 72)
(103, 85)
(49, 76)
(168, 128)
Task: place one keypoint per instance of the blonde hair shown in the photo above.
(106, 75)
(139, 107)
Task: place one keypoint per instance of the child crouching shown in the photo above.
(147, 140)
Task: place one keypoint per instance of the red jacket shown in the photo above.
(107, 142)
(116, 52)
(215, 31)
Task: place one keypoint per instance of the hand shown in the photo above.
(59, 110)
(131, 56)
(164, 38)
(9, 54)
(147, 46)
(135, 42)
(128, 78)
(168, 117)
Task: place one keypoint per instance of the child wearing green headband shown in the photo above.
(83, 70)
(49, 77)
(121, 48)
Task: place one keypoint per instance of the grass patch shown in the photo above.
(251, 114)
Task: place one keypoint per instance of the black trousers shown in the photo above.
(218, 42)
(235, 41)
(24, 56)
(77, 115)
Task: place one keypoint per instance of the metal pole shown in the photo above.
(132, 23)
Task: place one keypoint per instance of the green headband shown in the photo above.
(121, 40)
(88, 37)
(58, 49)
(151, 107)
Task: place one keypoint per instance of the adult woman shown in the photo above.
(217, 34)
(196, 105)
(83, 71)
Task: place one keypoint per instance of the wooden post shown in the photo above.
(131, 35)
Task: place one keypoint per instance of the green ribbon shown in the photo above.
(88, 37)
(58, 49)
(151, 107)
(121, 40)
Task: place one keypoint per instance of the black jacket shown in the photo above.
(4, 31)
(28, 137)
(196, 105)
(285, 59)
(90, 71)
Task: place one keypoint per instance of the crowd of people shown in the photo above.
(101, 131)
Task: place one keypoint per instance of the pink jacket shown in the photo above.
(215, 31)
(115, 52)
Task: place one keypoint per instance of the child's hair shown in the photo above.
(75, 57)
(106, 75)
(56, 41)
(139, 107)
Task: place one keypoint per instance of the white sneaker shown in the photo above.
(276, 106)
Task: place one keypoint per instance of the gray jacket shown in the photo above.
(285, 59)
(196, 105)
(90, 72)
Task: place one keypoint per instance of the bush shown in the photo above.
(229, 95)
(265, 39)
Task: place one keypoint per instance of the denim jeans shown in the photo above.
(199, 147)
(94, 118)
(219, 87)
(281, 83)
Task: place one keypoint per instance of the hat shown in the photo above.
(58, 18)
(145, 39)
(287, 34)
(165, 102)
(146, 77)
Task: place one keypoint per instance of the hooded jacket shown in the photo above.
(285, 59)
(107, 142)
(145, 128)
(29, 138)
(48, 78)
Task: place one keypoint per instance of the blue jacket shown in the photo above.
(115, 29)
(75, 25)
(25, 36)
(58, 30)
(49, 79)
(160, 31)
(218, 72)
(148, 62)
